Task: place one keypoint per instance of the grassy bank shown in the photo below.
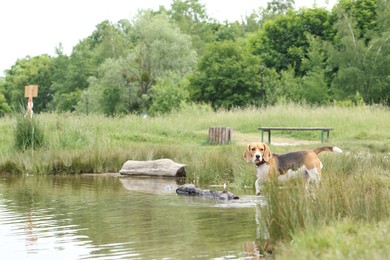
(95, 143)
(354, 191)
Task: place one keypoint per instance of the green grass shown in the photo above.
(353, 195)
(95, 143)
(345, 239)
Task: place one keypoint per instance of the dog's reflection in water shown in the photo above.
(260, 248)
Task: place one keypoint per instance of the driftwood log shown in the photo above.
(192, 190)
(157, 168)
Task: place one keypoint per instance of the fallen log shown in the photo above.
(159, 168)
(192, 190)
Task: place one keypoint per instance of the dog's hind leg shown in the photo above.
(313, 176)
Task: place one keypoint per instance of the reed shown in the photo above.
(351, 188)
(28, 133)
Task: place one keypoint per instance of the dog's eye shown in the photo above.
(261, 149)
(253, 149)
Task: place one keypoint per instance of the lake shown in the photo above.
(106, 217)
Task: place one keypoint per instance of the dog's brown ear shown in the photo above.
(247, 154)
(267, 153)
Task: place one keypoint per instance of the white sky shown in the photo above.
(36, 27)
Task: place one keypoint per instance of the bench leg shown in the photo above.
(323, 135)
(269, 136)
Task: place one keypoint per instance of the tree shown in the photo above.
(160, 48)
(71, 73)
(30, 71)
(227, 76)
(4, 107)
(364, 13)
(362, 65)
(192, 19)
(169, 94)
(275, 8)
(107, 92)
(282, 42)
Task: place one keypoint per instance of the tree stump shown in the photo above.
(220, 135)
(157, 168)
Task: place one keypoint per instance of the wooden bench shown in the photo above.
(324, 130)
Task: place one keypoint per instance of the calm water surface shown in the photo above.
(100, 217)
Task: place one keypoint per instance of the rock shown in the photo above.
(158, 168)
(192, 190)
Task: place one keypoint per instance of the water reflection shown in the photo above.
(84, 217)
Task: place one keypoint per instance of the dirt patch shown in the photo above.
(244, 139)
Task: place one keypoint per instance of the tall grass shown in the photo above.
(28, 133)
(97, 143)
(354, 187)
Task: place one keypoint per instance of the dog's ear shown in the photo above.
(247, 154)
(267, 153)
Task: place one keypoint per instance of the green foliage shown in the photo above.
(192, 19)
(110, 88)
(227, 76)
(357, 100)
(307, 55)
(364, 13)
(169, 94)
(28, 133)
(282, 42)
(69, 78)
(30, 71)
(361, 67)
(275, 8)
(160, 48)
(314, 88)
(4, 107)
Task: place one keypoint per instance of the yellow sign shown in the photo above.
(31, 91)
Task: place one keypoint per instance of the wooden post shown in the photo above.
(220, 135)
(30, 91)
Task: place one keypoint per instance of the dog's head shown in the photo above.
(257, 152)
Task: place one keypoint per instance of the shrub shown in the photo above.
(169, 94)
(28, 133)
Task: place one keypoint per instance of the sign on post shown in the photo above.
(30, 91)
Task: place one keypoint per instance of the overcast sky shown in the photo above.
(36, 27)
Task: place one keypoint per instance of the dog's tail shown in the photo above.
(328, 149)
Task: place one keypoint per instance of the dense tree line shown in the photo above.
(161, 60)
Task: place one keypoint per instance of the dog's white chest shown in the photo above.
(262, 171)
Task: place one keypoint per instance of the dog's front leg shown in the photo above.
(261, 173)
(258, 183)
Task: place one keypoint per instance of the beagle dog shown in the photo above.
(285, 166)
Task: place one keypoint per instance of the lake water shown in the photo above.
(105, 217)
